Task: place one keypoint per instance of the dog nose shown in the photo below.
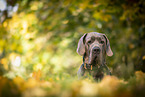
(96, 49)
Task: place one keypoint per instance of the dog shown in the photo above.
(93, 47)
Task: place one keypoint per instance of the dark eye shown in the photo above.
(89, 42)
(102, 42)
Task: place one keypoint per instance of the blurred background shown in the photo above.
(38, 38)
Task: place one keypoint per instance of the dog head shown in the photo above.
(94, 46)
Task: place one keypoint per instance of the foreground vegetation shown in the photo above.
(110, 86)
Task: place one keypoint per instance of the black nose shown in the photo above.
(96, 50)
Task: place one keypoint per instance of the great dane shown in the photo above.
(93, 47)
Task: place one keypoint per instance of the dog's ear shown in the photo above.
(81, 45)
(108, 48)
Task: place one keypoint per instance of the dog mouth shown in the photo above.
(94, 59)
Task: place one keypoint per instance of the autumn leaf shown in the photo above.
(37, 75)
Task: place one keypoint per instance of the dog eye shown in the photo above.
(89, 42)
(102, 42)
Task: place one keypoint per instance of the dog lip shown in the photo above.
(94, 60)
(96, 53)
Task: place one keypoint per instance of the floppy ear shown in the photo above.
(108, 48)
(81, 45)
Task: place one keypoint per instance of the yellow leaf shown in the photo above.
(37, 75)
(31, 83)
(140, 76)
(46, 84)
(131, 46)
(20, 83)
(57, 78)
(143, 57)
(4, 61)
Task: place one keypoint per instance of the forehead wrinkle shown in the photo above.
(88, 38)
(97, 36)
